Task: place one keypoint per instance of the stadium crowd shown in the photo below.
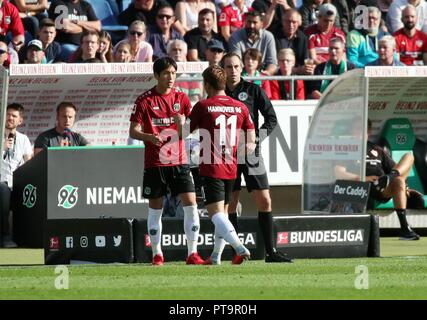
(273, 37)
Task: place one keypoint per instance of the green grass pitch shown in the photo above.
(399, 274)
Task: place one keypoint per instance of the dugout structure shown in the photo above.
(336, 133)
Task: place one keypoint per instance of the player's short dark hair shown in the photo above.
(17, 107)
(206, 11)
(215, 77)
(231, 55)
(47, 23)
(163, 64)
(255, 13)
(65, 104)
(86, 33)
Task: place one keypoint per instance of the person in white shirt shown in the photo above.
(16, 150)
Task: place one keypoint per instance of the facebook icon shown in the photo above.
(69, 242)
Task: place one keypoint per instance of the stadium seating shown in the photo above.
(397, 137)
(106, 15)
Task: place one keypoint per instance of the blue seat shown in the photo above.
(124, 4)
(106, 15)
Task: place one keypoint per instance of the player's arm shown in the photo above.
(251, 141)
(342, 173)
(267, 111)
(136, 131)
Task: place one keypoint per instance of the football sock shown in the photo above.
(401, 214)
(265, 220)
(218, 248)
(225, 229)
(191, 227)
(233, 219)
(154, 226)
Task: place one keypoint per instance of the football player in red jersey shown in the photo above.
(165, 161)
(219, 119)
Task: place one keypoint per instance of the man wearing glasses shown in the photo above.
(161, 33)
(362, 44)
(4, 56)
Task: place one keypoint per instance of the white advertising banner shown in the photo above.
(103, 93)
(284, 149)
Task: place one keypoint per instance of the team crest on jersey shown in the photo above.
(147, 190)
(374, 153)
(176, 107)
(419, 43)
(243, 96)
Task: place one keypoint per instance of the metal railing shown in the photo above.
(292, 79)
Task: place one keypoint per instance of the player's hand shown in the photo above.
(156, 139)
(179, 119)
(250, 147)
(8, 144)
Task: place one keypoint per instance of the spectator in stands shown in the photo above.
(288, 35)
(61, 135)
(31, 12)
(4, 55)
(273, 11)
(187, 12)
(16, 150)
(281, 89)
(388, 180)
(214, 52)
(47, 33)
(11, 22)
(362, 44)
(35, 53)
(79, 17)
(88, 50)
(232, 18)
(394, 16)
(198, 38)
(141, 50)
(105, 51)
(386, 53)
(145, 10)
(309, 12)
(161, 33)
(347, 14)
(411, 44)
(321, 33)
(336, 65)
(122, 52)
(254, 36)
(177, 50)
(252, 62)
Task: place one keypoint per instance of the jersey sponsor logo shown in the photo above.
(243, 96)
(176, 107)
(320, 238)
